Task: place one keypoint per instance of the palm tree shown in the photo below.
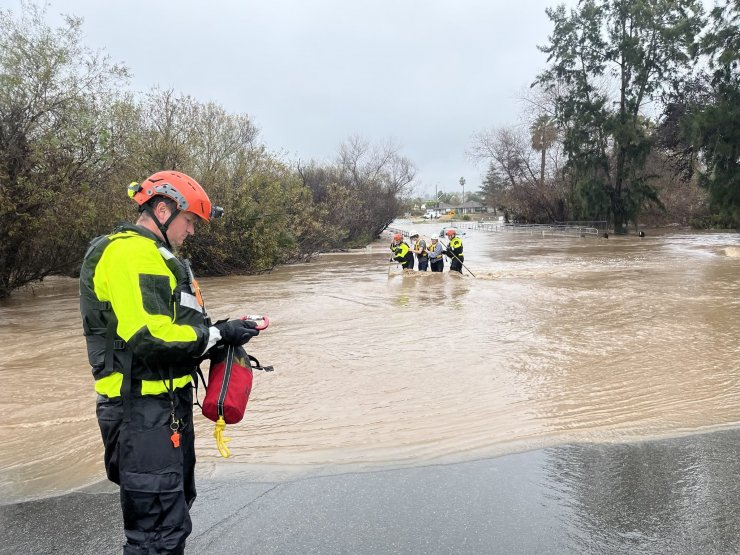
(544, 133)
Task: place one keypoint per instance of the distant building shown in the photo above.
(470, 207)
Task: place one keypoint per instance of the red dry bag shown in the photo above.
(229, 384)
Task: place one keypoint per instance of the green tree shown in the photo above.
(494, 188)
(713, 126)
(633, 48)
(56, 134)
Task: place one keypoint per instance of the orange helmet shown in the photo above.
(397, 237)
(181, 188)
(450, 232)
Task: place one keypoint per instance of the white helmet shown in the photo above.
(413, 233)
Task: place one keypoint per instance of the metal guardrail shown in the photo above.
(533, 229)
(394, 230)
(601, 225)
(406, 233)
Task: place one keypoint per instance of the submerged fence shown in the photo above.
(533, 229)
(543, 230)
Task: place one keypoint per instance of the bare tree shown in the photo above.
(382, 178)
(509, 151)
(512, 181)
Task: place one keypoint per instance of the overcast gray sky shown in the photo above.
(424, 74)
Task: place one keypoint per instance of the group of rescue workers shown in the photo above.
(428, 255)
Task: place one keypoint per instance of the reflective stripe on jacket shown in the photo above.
(110, 386)
(456, 247)
(421, 246)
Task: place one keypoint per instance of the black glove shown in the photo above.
(236, 332)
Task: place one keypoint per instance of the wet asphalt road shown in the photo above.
(668, 496)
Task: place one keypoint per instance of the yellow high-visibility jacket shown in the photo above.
(455, 248)
(402, 253)
(136, 295)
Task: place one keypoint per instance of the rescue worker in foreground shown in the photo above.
(146, 330)
(420, 250)
(455, 251)
(436, 252)
(402, 252)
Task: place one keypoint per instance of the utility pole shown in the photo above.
(462, 184)
(436, 197)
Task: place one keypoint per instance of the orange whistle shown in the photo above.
(175, 438)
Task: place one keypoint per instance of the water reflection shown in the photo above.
(428, 289)
(669, 496)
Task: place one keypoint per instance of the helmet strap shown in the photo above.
(163, 227)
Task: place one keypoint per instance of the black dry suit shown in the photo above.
(145, 329)
(455, 252)
(402, 253)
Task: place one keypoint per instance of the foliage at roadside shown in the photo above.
(71, 141)
(56, 106)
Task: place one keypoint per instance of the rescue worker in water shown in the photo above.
(402, 253)
(436, 250)
(420, 249)
(146, 330)
(455, 251)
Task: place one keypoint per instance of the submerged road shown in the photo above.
(674, 496)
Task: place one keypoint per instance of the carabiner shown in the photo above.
(265, 321)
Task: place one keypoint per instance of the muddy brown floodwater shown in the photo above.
(556, 340)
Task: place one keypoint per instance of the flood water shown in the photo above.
(554, 341)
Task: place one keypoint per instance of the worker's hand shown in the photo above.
(236, 332)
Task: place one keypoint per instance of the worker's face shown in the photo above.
(181, 227)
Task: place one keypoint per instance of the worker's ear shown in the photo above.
(162, 210)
